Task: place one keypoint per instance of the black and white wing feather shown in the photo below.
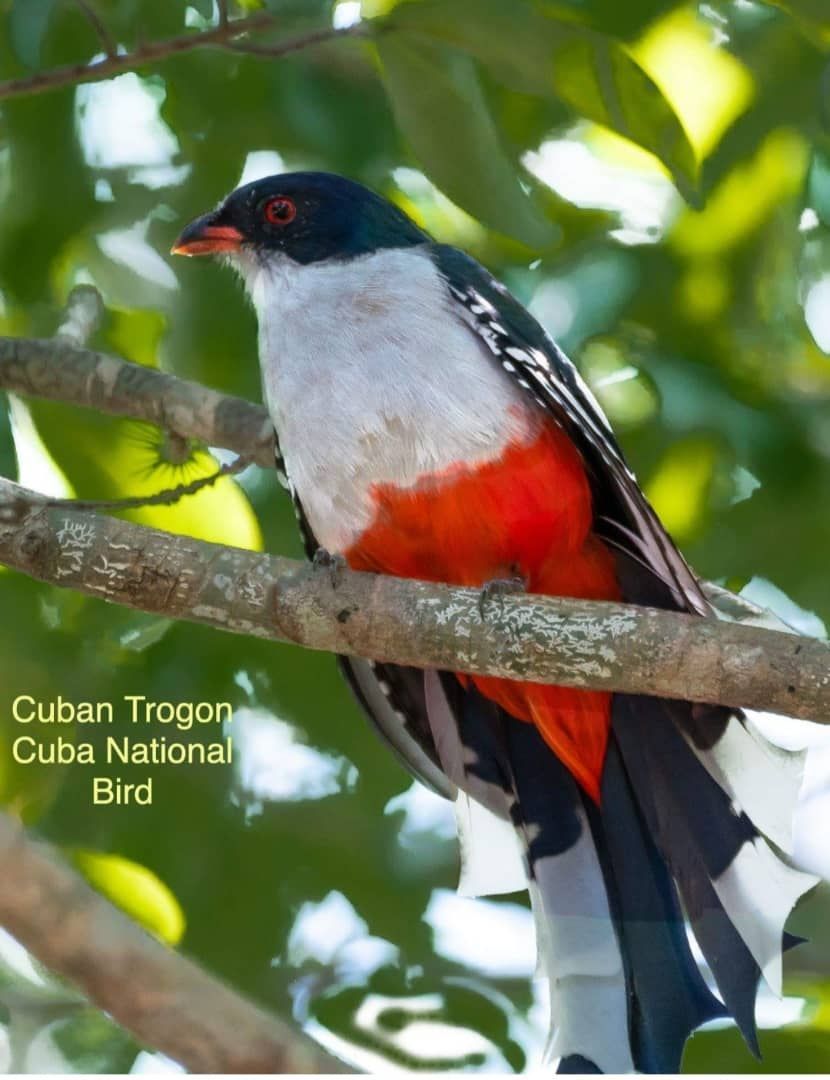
(529, 355)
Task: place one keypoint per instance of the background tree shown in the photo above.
(654, 179)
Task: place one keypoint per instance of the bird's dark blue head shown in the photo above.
(308, 216)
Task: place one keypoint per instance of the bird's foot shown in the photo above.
(334, 565)
(498, 588)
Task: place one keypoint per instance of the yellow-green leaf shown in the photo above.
(139, 892)
(679, 490)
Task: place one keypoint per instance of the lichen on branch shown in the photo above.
(589, 644)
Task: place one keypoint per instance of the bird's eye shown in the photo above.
(279, 211)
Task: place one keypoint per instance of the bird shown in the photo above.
(428, 427)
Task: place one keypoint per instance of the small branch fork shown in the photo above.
(227, 34)
(59, 369)
(97, 24)
(83, 315)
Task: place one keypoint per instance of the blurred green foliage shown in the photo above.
(654, 179)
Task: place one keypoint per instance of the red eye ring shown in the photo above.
(279, 210)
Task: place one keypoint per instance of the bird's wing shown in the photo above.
(529, 355)
(391, 696)
(393, 699)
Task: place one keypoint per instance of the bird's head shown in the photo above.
(306, 217)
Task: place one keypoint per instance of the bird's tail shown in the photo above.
(693, 825)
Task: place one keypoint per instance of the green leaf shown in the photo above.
(136, 890)
(796, 1048)
(817, 11)
(439, 106)
(313, 9)
(537, 52)
(28, 23)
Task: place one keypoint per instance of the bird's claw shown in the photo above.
(333, 564)
(499, 587)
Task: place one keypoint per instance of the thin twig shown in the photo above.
(283, 48)
(98, 25)
(221, 36)
(163, 999)
(161, 498)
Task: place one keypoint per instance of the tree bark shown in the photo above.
(60, 370)
(599, 646)
(172, 1005)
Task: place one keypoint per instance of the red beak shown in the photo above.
(204, 237)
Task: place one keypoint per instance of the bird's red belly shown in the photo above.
(529, 514)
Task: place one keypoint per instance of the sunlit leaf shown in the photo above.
(439, 104)
(136, 890)
(746, 198)
(112, 459)
(433, 211)
(136, 334)
(28, 23)
(705, 290)
(679, 489)
(534, 51)
(708, 87)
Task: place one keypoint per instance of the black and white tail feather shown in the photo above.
(695, 819)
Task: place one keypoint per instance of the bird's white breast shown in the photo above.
(371, 377)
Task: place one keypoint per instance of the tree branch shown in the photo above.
(284, 48)
(568, 642)
(224, 36)
(593, 645)
(61, 371)
(173, 1005)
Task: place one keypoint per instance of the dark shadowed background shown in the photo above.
(692, 291)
